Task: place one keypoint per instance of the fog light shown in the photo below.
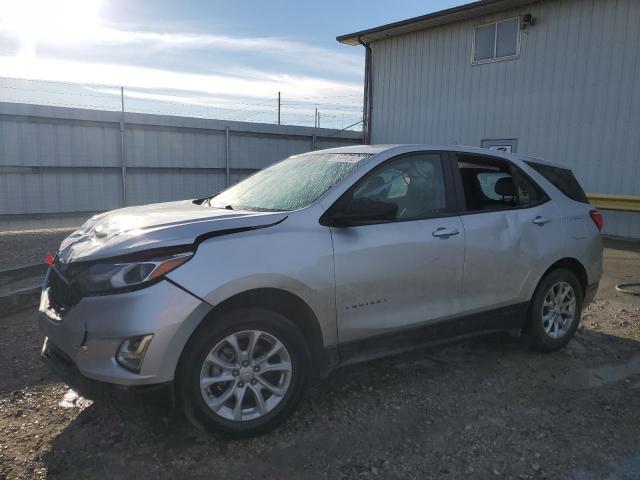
(132, 351)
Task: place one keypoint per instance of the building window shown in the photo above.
(496, 41)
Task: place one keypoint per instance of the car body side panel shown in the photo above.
(582, 240)
(295, 256)
(506, 253)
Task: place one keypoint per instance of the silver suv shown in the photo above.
(235, 301)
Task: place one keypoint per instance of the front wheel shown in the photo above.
(555, 310)
(243, 373)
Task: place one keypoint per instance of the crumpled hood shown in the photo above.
(134, 229)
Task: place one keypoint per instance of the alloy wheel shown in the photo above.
(558, 309)
(246, 375)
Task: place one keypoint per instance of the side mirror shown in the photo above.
(364, 210)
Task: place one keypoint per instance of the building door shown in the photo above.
(501, 145)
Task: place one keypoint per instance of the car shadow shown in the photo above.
(375, 405)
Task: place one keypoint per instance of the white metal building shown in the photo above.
(558, 79)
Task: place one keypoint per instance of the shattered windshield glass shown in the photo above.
(290, 184)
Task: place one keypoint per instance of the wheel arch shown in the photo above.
(573, 265)
(531, 328)
(288, 305)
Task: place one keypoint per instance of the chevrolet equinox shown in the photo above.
(236, 300)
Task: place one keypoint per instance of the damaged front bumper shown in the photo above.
(64, 367)
(89, 335)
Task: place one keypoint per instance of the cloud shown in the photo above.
(189, 73)
(250, 84)
(281, 49)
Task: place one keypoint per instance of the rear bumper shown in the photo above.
(590, 293)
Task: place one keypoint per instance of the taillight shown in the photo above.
(596, 216)
(50, 258)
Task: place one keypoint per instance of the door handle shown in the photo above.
(541, 220)
(443, 232)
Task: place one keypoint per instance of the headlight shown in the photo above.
(112, 277)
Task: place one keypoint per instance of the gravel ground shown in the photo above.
(484, 408)
(25, 248)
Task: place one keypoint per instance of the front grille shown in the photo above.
(62, 296)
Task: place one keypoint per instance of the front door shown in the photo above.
(406, 272)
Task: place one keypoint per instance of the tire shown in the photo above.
(211, 354)
(547, 328)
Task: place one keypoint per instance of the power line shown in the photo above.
(99, 85)
(310, 107)
(77, 105)
(293, 97)
(342, 129)
(243, 118)
(74, 94)
(186, 104)
(197, 106)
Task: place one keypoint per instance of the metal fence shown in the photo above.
(60, 165)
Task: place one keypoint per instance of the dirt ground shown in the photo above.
(484, 408)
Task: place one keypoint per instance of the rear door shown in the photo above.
(513, 231)
(407, 272)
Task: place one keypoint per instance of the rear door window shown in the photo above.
(561, 178)
(488, 182)
(496, 186)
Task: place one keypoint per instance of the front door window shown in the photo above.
(414, 184)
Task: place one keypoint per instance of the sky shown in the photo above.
(194, 57)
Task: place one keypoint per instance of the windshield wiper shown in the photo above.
(242, 207)
(207, 201)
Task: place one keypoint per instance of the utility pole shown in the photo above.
(227, 158)
(315, 128)
(278, 108)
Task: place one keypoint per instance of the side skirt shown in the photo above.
(510, 318)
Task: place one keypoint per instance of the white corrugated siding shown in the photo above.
(573, 95)
(62, 160)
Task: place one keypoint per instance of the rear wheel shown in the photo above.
(243, 373)
(555, 310)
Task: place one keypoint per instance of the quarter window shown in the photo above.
(562, 179)
(496, 40)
